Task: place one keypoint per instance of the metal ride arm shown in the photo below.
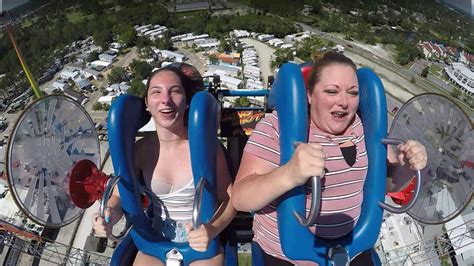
(315, 204)
(103, 203)
(407, 207)
(126, 116)
(298, 243)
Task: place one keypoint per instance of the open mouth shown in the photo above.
(339, 114)
(167, 111)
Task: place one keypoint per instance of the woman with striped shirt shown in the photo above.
(163, 161)
(335, 151)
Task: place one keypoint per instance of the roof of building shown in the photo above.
(229, 58)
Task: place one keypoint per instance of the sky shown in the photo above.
(9, 4)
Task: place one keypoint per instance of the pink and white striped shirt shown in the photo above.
(342, 186)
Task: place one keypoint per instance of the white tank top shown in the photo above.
(172, 208)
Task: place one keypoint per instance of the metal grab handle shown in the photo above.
(197, 203)
(402, 209)
(103, 202)
(315, 204)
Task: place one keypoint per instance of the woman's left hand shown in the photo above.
(199, 238)
(412, 153)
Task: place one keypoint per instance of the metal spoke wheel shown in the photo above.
(50, 136)
(447, 133)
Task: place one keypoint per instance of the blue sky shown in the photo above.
(9, 4)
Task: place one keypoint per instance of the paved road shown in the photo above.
(425, 85)
(417, 67)
(194, 59)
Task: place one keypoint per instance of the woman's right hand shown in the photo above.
(308, 160)
(102, 225)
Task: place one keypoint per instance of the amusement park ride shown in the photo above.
(53, 160)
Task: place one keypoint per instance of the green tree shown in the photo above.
(137, 88)
(164, 43)
(140, 69)
(425, 71)
(127, 36)
(213, 59)
(241, 102)
(94, 55)
(117, 75)
(455, 93)
(281, 56)
(97, 106)
(407, 52)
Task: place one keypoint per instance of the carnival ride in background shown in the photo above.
(53, 160)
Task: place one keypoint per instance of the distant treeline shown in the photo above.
(43, 36)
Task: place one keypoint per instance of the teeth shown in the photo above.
(340, 114)
(166, 110)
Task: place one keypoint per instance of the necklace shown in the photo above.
(169, 140)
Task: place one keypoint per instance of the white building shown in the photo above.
(207, 43)
(66, 74)
(265, 37)
(230, 82)
(107, 57)
(142, 29)
(194, 37)
(121, 88)
(241, 33)
(91, 73)
(60, 84)
(462, 76)
(102, 64)
(107, 99)
(171, 55)
(229, 70)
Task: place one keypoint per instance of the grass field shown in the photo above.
(77, 16)
(245, 259)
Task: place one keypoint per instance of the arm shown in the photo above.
(258, 182)
(113, 214)
(411, 156)
(199, 238)
(226, 211)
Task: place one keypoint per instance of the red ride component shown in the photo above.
(86, 184)
(404, 196)
(145, 201)
(306, 70)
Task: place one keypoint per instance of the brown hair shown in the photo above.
(321, 61)
(189, 76)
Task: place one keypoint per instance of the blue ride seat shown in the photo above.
(288, 97)
(128, 114)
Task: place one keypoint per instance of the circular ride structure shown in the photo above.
(49, 138)
(447, 134)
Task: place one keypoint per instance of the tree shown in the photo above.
(97, 106)
(141, 69)
(281, 56)
(117, 75)
(137, 88)
(213, 59)
(242, 102)
(93, 56)
(164, 43)
(425, 71)
(407, 52)
(127, 36)
(455, 93)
